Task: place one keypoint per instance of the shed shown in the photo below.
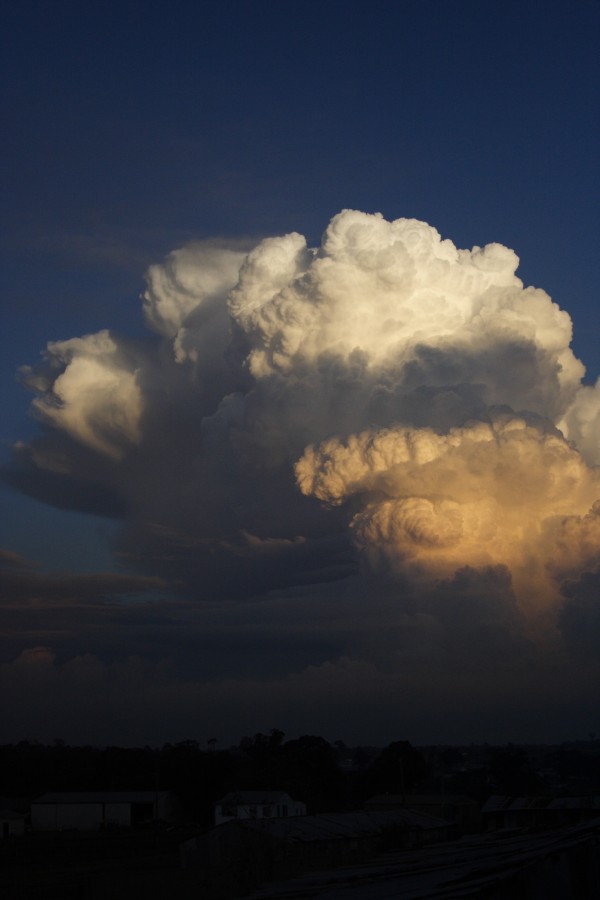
(90, 811)
(459, 809)
(257, 849)
(538, 812)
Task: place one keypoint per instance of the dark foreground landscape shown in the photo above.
(300, 818)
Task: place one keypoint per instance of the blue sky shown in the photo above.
(133, 129)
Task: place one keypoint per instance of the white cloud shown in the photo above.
(581, 422)
(88, 388)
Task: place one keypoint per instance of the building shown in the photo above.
(239, 854)
(90, 811)
(561, 864)
(257, 805)
(13, 823)
(461, 811)
(339, 856)
(538, 812)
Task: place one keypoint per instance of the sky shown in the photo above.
(300, 410)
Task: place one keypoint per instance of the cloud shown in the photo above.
(503, 493)
(580, 617)
(581, 422)
(11, 560)
(185, 298)
(87, 700)
(385, 428)
(412, 308)
(87, 388)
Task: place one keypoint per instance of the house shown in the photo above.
(93, 810)
(256, 805)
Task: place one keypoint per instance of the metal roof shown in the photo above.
(453, 870)
(575, 803)
(515, 804)
(255, 798)
(100, 796)
(340, 825)
(423, 799)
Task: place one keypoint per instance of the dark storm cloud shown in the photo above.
(22, 581)
(81, 492)
(579, 619)
(117, 616)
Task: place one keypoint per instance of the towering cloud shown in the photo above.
(387, 366)
(384, 406)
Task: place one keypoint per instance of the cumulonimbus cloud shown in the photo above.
(382, 445)
(414, 398)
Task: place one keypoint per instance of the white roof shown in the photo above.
(255, 798)
(100, 796)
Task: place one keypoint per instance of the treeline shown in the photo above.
(326, 777)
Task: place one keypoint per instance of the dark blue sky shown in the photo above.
(132, 128)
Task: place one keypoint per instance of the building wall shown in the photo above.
(101, 811)
(63, 816)
(81, 816)
(12, 828)
(259, 811)
(117, 814)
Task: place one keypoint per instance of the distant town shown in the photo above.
(272, 817)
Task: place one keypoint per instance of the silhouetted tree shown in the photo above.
(399, 769)
(260, 765)
(511, 773)
(311, 774)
